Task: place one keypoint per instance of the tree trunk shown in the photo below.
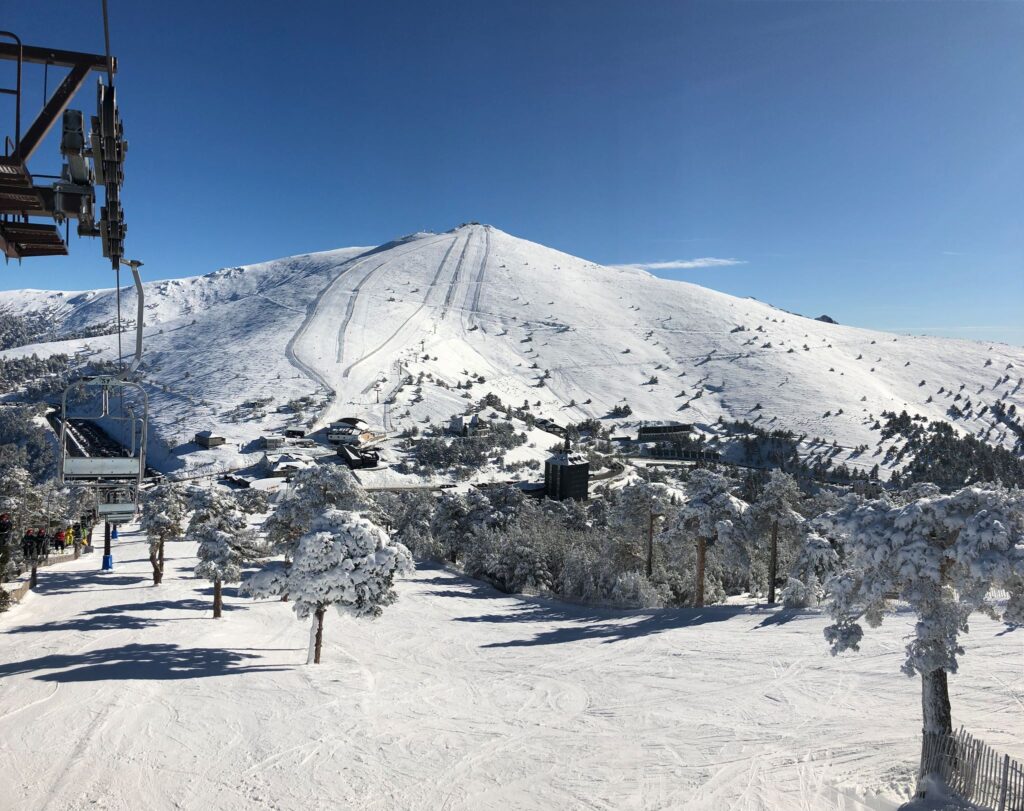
(319, 635)
(935, 709)
(698, 591)
(773, 563)
(34, 579)
(156, 566)
(161, 557)
(217, 601)
(155, 555)
(313, 626)
(650, 547)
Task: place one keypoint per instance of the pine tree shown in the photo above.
(774, 514)
(163, 514)
(457, 517)
(705, 521)
(815, 562)
(312, 491)
(635, 516)
(345, 560)
(218, 560)
(224, 538)
(942, 554)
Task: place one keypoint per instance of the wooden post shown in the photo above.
(773, 563)
(34, 579)
(217, 601)
(1003, 783)
(698, 595)
(319, 634)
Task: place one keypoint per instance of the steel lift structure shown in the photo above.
(91, 159)
(31, 216)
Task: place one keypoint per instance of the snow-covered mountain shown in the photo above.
(476, 303)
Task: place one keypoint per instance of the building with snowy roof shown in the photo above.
(208, 439)
(567, 475)
(664, 432)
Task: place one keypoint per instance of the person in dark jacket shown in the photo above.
(28, 542)
(41, 547)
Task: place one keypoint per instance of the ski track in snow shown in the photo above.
(115, 694)
(402, 327)
(453, 285)
(311, 315)
(474, 306)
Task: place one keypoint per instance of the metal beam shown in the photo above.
(51, 111)
(53, 56)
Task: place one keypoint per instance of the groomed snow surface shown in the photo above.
(115, 694)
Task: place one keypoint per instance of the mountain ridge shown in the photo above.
(538, 325)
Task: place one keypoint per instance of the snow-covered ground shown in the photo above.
(476, 301)
(118, 695)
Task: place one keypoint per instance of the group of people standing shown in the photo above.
(37, 543)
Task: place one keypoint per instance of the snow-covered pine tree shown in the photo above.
(344, 560)
(706, 520)
(457, 517)
(815, 562)
(409, 515)
(773, 514)
(942, 554)
(20, 498)
(224, 538)
(310, 492)
(634, 518)
(163, 514)
(218, 560)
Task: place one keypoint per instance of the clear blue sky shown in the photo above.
(861, 160)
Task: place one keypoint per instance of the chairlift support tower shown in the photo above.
(92, 158)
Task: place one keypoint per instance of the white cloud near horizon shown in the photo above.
(687, 264)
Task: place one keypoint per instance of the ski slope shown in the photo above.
(350, 327)
(118, 695)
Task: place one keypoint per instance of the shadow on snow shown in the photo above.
(156, 662)
(582, 624)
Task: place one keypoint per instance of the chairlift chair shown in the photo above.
(119, 512)
(100, 473)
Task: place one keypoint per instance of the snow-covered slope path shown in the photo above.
(118, 695)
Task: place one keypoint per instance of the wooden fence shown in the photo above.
(973, 770)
